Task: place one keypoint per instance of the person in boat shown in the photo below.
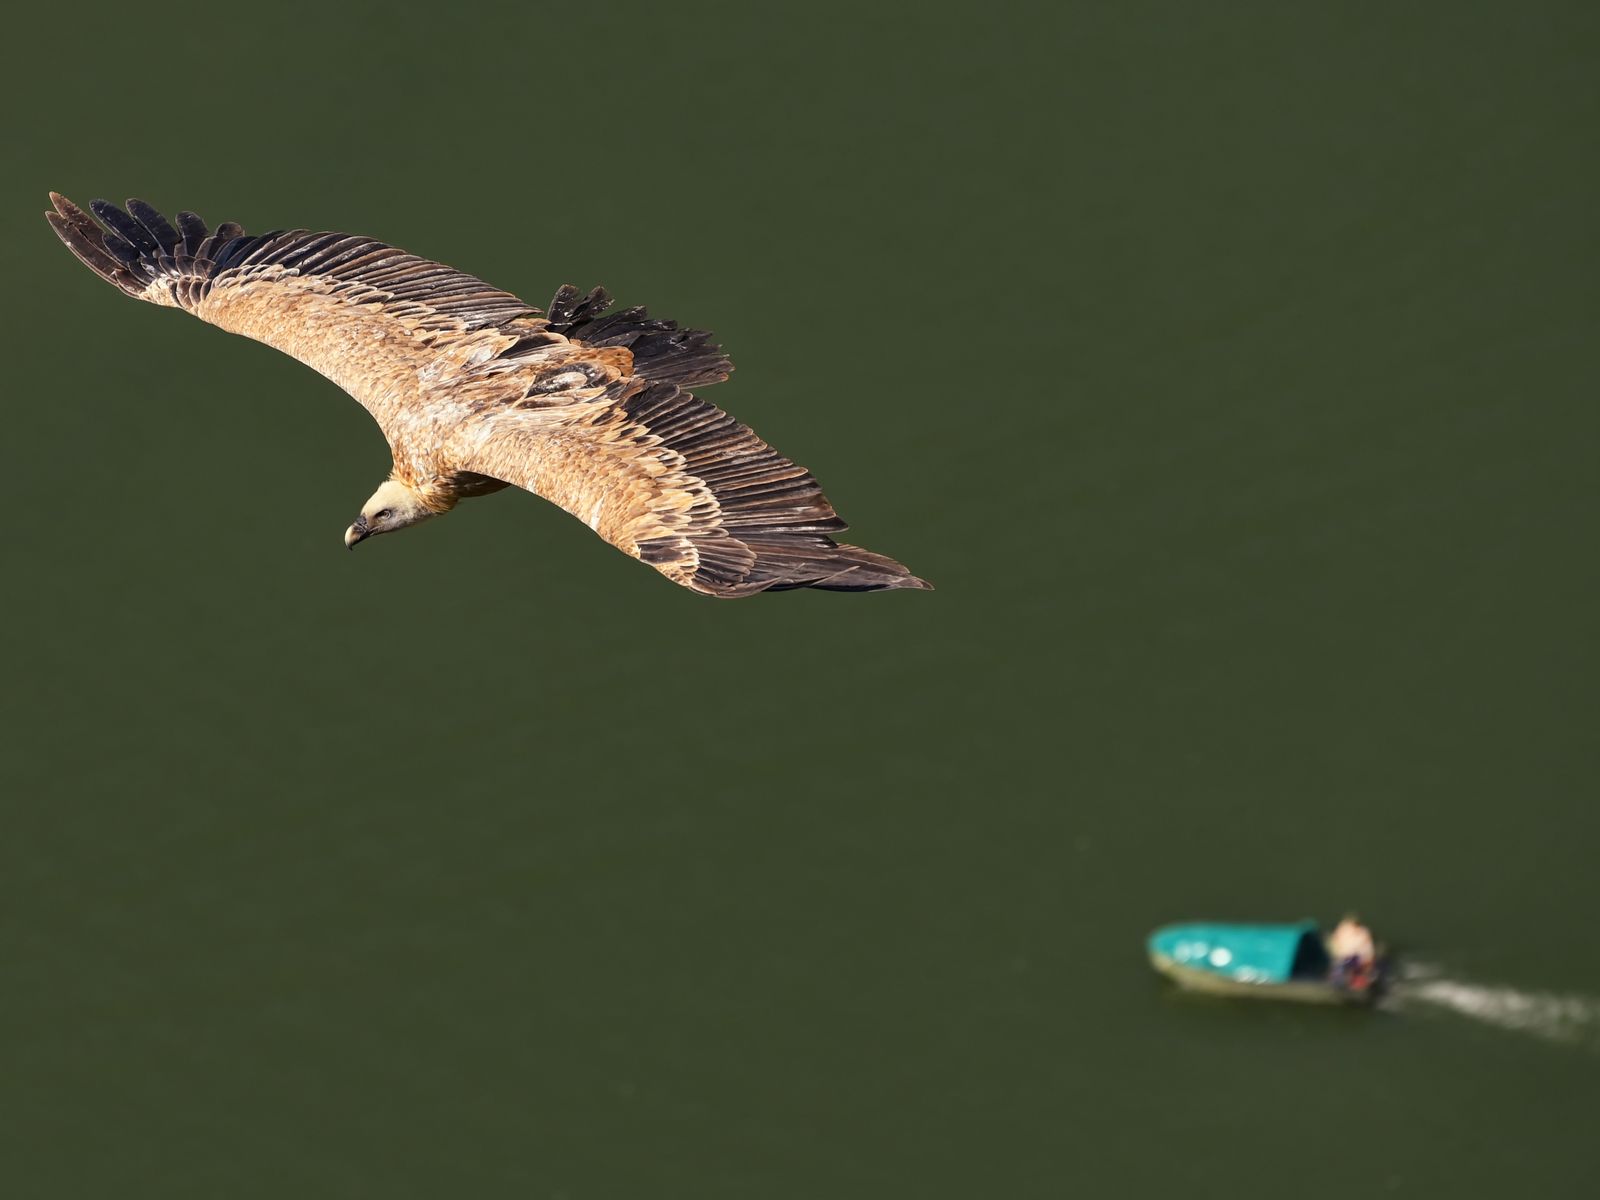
(1353, 951)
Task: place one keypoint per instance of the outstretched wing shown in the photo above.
(381, 323)
(668, 478)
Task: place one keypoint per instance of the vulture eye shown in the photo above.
(383, 514)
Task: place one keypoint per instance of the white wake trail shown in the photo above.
(1571, 1019)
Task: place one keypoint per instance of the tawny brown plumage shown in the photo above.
(475, 389)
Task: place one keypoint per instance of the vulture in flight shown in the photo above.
(476, 390)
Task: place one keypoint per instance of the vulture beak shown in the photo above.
(357, 532)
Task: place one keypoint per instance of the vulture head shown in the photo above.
(393, 506)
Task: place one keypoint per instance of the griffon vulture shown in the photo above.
(475, 389)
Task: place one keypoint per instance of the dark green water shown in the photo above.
(1233, 376)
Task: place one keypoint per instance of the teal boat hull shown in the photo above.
(1257, 962)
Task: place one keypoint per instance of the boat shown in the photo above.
(1265, 962)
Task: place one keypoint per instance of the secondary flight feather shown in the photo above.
(476, 390)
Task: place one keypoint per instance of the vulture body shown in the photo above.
(476, 390)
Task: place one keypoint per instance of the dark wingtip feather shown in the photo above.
(865, 571)
(193, 229)
(123, 226)
(74, 216)
(88, 244)
(156, 225)
(786, 561)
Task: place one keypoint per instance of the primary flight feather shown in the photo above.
(476, 390)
